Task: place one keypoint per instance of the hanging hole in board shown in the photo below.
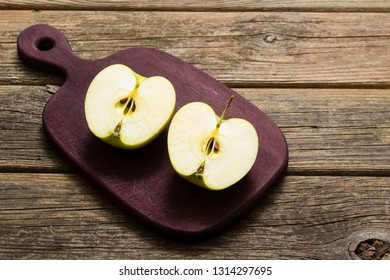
(45, 44)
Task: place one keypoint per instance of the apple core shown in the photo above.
(208, 150)
(127, 110)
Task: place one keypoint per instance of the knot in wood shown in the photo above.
(373, 249)
(270, 38)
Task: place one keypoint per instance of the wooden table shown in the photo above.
(320, 69)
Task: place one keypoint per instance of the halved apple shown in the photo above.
(127, 110)
(209, 151)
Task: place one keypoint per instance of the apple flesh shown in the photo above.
(128, 110)
(209, 151)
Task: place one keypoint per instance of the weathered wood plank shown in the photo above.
(329, 131)
(23, 144)
(248, 48)
(202, 5)
(60, 216)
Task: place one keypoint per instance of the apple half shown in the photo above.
(128, 110)
(209, 151)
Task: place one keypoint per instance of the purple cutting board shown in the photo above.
(143, 181)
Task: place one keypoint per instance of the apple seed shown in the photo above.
(123, 100)
(130, 106)
(211, 146)
(216, 146)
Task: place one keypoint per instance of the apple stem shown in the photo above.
(224, 111)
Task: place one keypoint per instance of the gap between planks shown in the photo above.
(203, 6)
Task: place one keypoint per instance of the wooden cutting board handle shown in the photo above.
(45, 47)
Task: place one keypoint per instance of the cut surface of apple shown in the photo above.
(127, 110)
(209, 151)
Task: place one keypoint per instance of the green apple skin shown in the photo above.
(190, 130)
(155, 101)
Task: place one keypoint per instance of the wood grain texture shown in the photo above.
(251, 49)
(328, 65)
(202, 5)
(329, 131)
(24, 145)
(60, 216)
